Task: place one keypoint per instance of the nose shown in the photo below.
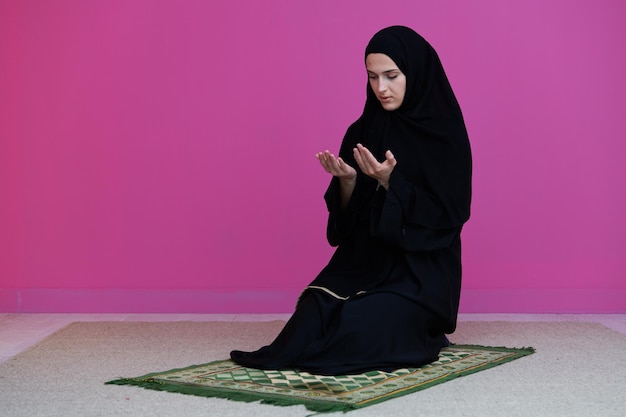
(381, 85)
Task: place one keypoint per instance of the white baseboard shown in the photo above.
(269, 300)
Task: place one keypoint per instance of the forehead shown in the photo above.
(377, 62)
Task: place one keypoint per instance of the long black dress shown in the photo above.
(390, 292)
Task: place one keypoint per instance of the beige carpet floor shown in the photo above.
(579, 369)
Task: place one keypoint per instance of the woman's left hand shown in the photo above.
(380, 171)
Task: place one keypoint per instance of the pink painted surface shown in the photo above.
(158, 155)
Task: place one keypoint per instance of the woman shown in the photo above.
(399, 196)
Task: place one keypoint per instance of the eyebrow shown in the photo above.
(384, 72)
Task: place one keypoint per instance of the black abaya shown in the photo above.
(391, 291)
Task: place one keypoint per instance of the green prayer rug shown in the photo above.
(226, 379)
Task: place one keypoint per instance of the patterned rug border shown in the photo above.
(155, 381)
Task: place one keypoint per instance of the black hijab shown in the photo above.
(426, 133)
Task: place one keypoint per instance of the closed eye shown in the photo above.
(391, 74)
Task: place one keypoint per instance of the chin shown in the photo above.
(390, 106)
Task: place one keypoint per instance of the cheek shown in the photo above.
(402, 90)
(403, 84)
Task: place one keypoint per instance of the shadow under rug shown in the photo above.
(226, 379)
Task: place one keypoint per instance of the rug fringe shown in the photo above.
(527, 350)
(152, 384)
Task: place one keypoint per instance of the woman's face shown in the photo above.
(386, 80)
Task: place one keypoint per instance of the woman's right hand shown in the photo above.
(336, 166)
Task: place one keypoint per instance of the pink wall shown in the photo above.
(158, 155)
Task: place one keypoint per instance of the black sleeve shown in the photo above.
(395, 217)
(340, 222)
